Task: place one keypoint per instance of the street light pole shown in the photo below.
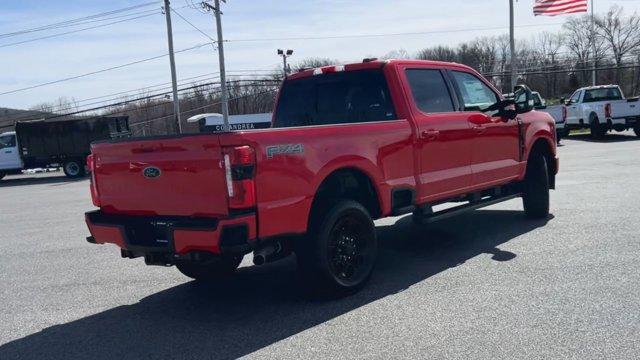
(594, 77)
(514, 76)
(285, 55)
(223, 77)
(172, 61)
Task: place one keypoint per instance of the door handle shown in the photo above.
(430, 134)
(479, 129)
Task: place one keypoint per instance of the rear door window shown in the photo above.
(476, 95)
(430, 91)
(336, 98)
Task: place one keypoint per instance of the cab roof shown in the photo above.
(376, 64)
(611, 86)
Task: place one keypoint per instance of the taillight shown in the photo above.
(607, 110)
(240, 168)
(564, 114)
(91, 165)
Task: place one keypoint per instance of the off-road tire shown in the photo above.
(214, 269)
(598, 130)
(338, 255)
(74, 169)
(535, 189)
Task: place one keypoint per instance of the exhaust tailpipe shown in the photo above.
(268, 253)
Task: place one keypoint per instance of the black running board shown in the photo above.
(454, 211)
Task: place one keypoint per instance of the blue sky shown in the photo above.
(61, 57)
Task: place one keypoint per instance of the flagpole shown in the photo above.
(594, 77)
(514, 76)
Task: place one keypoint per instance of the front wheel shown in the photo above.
(535, 194)
(211, 270)
(73, 169)
(338, 255)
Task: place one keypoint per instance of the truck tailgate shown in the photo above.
(174, 176)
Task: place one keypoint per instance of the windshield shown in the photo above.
(336, 98)
(604, 94)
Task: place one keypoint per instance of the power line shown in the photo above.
(75, 31)
(247, 82)
(380, 34)
(71, 21)
(193, 26)
(99, 71)
(205, 106)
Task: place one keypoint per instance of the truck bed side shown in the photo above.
(292, 163)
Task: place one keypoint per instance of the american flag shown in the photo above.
(559, 7)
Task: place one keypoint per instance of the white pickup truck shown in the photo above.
(602, 109)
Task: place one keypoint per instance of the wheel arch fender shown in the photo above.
(365, 174)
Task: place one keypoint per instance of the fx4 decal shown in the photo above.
(284, 149)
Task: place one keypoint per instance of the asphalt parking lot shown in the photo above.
(488, 284)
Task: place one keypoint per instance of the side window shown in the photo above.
(7, 141)
(430, 91)
(476, 95)
(575, 97)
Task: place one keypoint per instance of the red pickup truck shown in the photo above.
(348, 144)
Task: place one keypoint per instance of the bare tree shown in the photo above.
(579, 41)
(439, 53)
(396, 54)
(311, 63)
(620, 33)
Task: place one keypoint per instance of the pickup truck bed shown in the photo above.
(349, 144)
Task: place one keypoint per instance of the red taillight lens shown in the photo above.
(607, 110)
(240, 167)
(91, 165)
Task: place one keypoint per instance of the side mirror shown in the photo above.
(523, 99)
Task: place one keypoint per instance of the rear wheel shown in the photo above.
(73, 169)
(338, 255)
(210, 270)
(598, 130)
(535, 194)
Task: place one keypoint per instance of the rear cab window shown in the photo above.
(336, 98)
(603, 94)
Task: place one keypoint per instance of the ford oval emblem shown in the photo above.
(151, 172)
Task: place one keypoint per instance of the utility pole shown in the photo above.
(172, 60)
(285, 55)
(594, 76)
(223, 77)
(512, 38)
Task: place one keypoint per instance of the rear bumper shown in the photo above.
(144, 235)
